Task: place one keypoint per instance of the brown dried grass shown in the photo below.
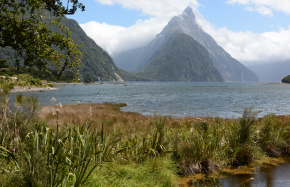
(97, 114)
(110, 115)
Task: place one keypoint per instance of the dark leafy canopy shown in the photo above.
(286, 79)
(23, 29)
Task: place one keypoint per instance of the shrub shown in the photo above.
(28, 80)
(246, 123)
(35, 82)
(198, 150)
(244, 156)
(272, 136)
(25, 77)
(267, 133)
(286, 79)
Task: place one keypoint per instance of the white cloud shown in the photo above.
(116, 39)
(264, 10)
(247, 47)
(250, 9)
(261, 9)
(262, 5)
(103, 34)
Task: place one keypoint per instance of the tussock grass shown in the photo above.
(197, 145)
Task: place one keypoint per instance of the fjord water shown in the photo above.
(177, 99)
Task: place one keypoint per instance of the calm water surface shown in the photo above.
(265, 176)
(178, 99)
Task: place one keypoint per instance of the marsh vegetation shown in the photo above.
(99, 145)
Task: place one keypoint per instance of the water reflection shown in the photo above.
(265, 176)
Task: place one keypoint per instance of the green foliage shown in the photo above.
(246, 123)
(41, 157)
(286, 79)
(88, 79)
(64, 35)
(25, 27)
(268, 129)
(24, 77)
(28, 78)
(96, 63)
(273, 135)
(3, 63)
(49, 75)
(181, 59)
(198, 149)
(157, 172)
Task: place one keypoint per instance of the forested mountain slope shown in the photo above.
(181, 59)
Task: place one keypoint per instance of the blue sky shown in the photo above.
(111, 14)
(217, 12)
(253, 31)
(237, 18)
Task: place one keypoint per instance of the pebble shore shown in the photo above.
(32, 89)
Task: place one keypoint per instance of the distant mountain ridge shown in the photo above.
(272, 72)
(230, 68)
(181, 58)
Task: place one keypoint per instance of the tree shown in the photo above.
(286, 79)
(24, 28)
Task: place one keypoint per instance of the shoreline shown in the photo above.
(18, 89)
(272, 83)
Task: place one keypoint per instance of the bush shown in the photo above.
(286, 79)
(246, 123)
(267, 133)
(28, 80)
(244, 156)
(25, 77)
(35, 82)
(272, 136)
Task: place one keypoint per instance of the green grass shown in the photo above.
(158, 171)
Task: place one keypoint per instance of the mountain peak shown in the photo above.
(188, 13)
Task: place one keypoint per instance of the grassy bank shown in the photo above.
(99, 145)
